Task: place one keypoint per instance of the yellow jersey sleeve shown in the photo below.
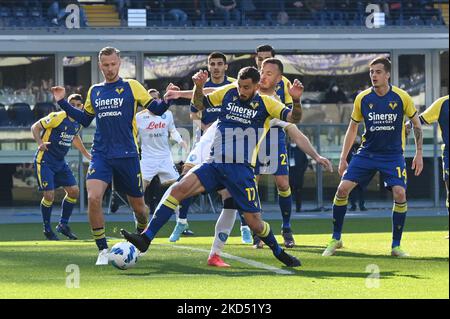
(215, 98)
(357, 114)
(88, 104)
(53, 119)
(275, 108)
(431, 114)
(140, 94)
(408, 104)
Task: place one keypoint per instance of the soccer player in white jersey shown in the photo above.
(154, 134)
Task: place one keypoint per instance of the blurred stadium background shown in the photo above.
(323, 43)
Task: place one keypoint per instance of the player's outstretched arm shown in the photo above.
(81, 117)
(302, 141)
(296, 92)
(417, 164)
(349, 139)
(78, 144)
(199, 79)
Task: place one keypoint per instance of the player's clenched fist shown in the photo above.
(296, 90)
(200, 78)
(59, 92)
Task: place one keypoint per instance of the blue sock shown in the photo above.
(100, 238)
(285, 202)
(161, 217)
(398, 222)
(339, 210)
(269, 239)
(46, 210)
(67, 209)
(184, 207)
(241, 216)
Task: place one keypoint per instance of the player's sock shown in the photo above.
(285, 202)
(184, 208)
(46, 210)
(223, 229)
(243, 221)
(339, 210)
(269, 239)
(67, 208)
(100, 238)
(398, 222)
(161, 216)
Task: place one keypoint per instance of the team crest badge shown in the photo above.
(44, 184)
(254, 105)
(371, 106)
(393, 105)
(91, 171)
(235, 98)
(163, 116)
(119, 90)
(278, 88)
(98, 93)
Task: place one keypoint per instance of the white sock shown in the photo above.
(182, 220)
(224, 226)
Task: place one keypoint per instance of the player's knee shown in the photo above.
(282, 183)
(94, 199)
(399, 194)
(342, 191)
(73, 192)
(49, 196)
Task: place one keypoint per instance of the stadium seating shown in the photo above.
(20, 114)
(43, 109)
(4, 119)
(433, 13)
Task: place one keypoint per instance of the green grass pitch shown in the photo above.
(33, 268)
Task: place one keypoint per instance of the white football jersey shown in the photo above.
(154, 133)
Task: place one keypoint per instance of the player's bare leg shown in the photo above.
(141, 212)
(96, 189)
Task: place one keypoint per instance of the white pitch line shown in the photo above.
(253, 263)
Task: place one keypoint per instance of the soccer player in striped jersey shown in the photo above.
(55, 134)
(383, 108)
(438, 112)
(115, 152)
(233, 157)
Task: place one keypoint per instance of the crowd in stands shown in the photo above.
(22, 107)
(230, 12)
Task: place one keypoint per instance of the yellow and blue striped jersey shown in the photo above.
(384, 120)
(60, 131)
(282, 92)
(438, 111)
(114, 106)
(242, 126)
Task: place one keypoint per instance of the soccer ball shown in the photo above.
(123, 255)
